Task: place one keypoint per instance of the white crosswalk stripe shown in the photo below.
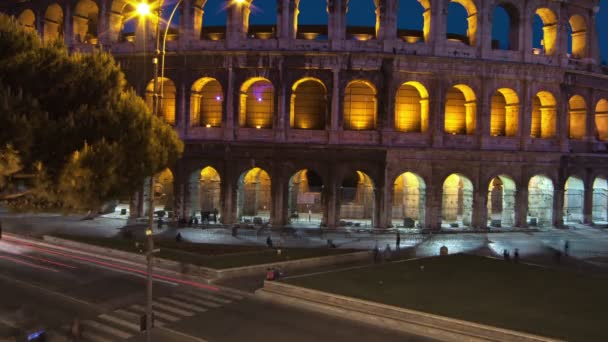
(136, 316)
(198, 301)
(159, 314)
(182, 304)
(106, 328)
(172, 309)
(204, 296)
(120, 321)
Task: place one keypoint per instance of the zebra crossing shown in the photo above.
(123, 323)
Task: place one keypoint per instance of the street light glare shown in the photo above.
(143, 9)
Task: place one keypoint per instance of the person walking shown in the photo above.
(566, 248)
(398, 242)
(269, 242)
(516, 255)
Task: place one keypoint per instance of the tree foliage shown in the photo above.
(75, 124)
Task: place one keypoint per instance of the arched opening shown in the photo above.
(457, 202)
(544, 32)
(204, 189)
(311, 19)
(601, 119)
(305, 199)
(501, 202)
(460, 110)
(414, 20)
(166, 105)
(412, 108)
(577, 113)
(163, 192)
(256, 103)
(462, 22)
(544, 113)
(504, 113)
(357, 200)
(308, 104)
(574, 197)
(540, 201)
(409, 201)
(86, 19)
(362, 20)
(53, 23)
(600, 201)
(27, 20)
(261, 22)
(253, 196)
(210, 19)
(505, 27)
(206, 103)
(123, 21)
(360, 106)
(577, 36)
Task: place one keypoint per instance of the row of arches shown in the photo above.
(307, 202)
(309, 108)
(311, 17)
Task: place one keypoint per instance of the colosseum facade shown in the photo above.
(337, 124)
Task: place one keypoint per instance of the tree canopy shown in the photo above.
(72, 128)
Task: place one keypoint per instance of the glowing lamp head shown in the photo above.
(208, 125)
(218, 98)
(259, 99)
(238, 2)
(258, 126)
(143, 9)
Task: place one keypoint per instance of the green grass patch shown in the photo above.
(559, 304)
(210, 255)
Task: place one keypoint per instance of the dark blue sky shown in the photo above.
(410, 17)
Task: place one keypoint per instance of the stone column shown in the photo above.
(590, 128)
(181, 109)
(337, 22)
(588, 203)
(480, 208)
(103, 27)
(525, 115)
(433, 206)
(563, 125)
(282, 115)
(383, 203)
(558, 208)
(285, 27)
(68, 30)
(335, 122)
(484, 113)
(228, 188)
(280, 195)
(191, 20)
(439, 12)
(388, 19)
(437, 112)
(330, 199)
(593, 39)
(521, 208)
(228, 122)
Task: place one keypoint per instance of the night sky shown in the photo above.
(410, 17)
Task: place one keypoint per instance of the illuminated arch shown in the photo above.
(360, 106)
(253, 195)
(501, 201)
(409, 30)
(577, 114)
(27, 20)
(312, 25)
(123, 20)
(206, 103)
(308, 109)
(513, 28)
(256, 103)
(472, 20)
(600, 200)
(457, 202)
(204, 189)
(305, 198)
(574, 198)
(549, 36)
(53, 23)
(163, 190)
(544, 115)
(504, 113)
(409, 200)
(578, 35)
(166, 108)
(412, 108)
(86, 19)
(357, 199)
(540, 200)
(460, 110)
(601, 119)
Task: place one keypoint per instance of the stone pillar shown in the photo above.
(521, 208)
(558, 207)
(68, 30)
(437, 112)
(525, 114)
(228, 188)
(103, 27)
(181, 109)
(191, 21)
(336, 25)
(388, 19)
(484, 113)
(563, 125)
(383, 202)
(335, 122)
(439, 12)
(285, 27)
(480, 208)
(281, 121)
(237, 24)
(508, 207)
(590, 127)
(588, 203)
(135, 205)
(330, 199)
(228, 122)
(280, 195)
(433, 206)
(593, 39)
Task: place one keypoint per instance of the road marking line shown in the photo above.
(160, 314)
(222, 297)
(106, 328)
(172, 309)
(7, 321)
(183, 305)
(206, 296)
(15, 260)
(196, 300)
(120, 322)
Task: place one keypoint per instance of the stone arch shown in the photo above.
(460, 110)
(204, 189)
(360, 106)
(123, 21)
(412, 108)
(548, 36)
(254, 196)
(457, 201)
(261, 18)
(471, 20)
(501, 201)
(314, 22)
(540, 201)
(363, 21)
(53, 23)
(574, 198)
(577, 36)
(504, 114)
(600, 200)
(510, 14)
(206, 103)
(601, 119)
(166, 103)
(409, 201)
(577, 114)
(544, 115)
(414, 20)
(256, 103)
(86, 21)
(305, 201)
(27, 20)
(163, 190)
(210, 19)
(357, 200)
(308, 105)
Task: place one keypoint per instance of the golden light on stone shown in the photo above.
(143, 9)
(208, 125)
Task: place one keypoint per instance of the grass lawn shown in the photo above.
(559, 304)
(210, 255)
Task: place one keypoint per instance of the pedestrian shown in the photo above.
(215, 214)
(178, 237)
(566, 247)
(398, 243)
(387, 252)
(506, 255)
(270, 274)
(516, 255)
(269, 242)
(376, 252)
(235, 230)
